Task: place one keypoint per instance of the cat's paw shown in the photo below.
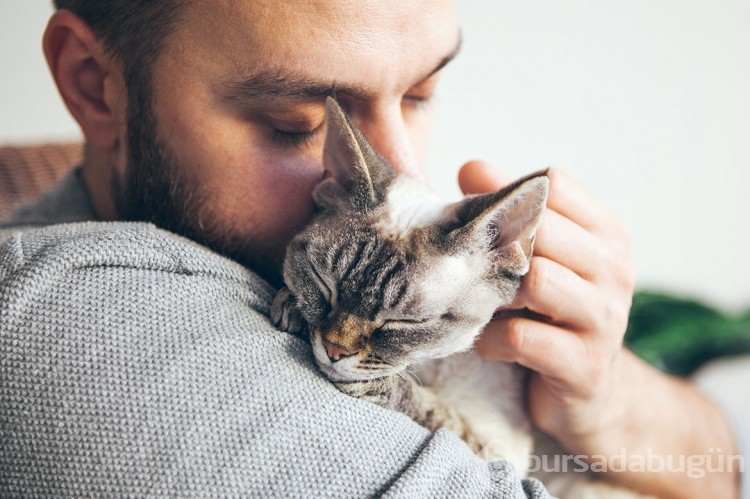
(286, 316)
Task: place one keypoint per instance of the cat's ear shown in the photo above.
(357, 175)
(504, 222)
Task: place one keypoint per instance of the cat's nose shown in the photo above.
(336, 352)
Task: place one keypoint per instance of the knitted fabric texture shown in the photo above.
(137, 363)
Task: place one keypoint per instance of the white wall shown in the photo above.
(645, 102)
(30, 108)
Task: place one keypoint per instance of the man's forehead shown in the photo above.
(357, 15)
(272, 40)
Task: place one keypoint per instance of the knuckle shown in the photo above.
(619, 234)
(514, 335)
(597, 369)
(617, 318)
(608, 324)
(555, 173)
(620, 272)
(609, 259)
(627, 277)
(631, 277)
(556, 178)
(600, 320)
(538, 277)
(623, 235)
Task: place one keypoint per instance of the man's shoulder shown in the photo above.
(125, 344)
(135, 362)
(102, 245)
(121, 278)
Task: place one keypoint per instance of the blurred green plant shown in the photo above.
(678, 335)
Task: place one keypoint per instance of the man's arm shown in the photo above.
(588, 392)
(138, 363)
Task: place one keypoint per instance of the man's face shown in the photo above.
(238, 104)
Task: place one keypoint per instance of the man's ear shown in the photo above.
(87, 77)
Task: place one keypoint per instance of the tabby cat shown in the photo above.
(387, 282)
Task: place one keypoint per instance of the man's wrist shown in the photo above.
(649, 415)
(600, 423)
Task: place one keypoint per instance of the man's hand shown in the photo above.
(573, 308)
(567, 326)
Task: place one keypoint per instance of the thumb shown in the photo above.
(478, 177)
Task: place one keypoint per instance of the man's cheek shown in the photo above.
(274, 196)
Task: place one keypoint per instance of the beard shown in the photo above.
(155, 189)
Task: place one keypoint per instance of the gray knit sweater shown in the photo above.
(136, 363)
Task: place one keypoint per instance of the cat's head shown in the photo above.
(386, 275)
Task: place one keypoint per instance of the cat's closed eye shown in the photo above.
(323, 285)
(400, 324)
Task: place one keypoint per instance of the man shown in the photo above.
(136, 362)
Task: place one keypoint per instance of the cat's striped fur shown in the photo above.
(386, 279)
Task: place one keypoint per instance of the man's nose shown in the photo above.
(389, 135)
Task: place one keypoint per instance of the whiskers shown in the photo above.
(374, 367)
(413, 375)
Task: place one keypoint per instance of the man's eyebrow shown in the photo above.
(277, 83)
(448, 58)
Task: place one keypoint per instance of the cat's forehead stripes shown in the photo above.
(371, 275)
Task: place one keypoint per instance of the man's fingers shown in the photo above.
(563, 358)
(566, 198)
(478, 177)
(572, 201)
(567, 243)
(559, 294)
(546, 349)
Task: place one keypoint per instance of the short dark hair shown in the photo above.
(132, 30)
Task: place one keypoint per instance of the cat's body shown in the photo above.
(392, 287)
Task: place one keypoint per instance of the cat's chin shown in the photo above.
(332, 374)
(335, 373)
(335, 376)
(348, 374)
(344, 371)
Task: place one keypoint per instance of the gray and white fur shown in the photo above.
(391, 287)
